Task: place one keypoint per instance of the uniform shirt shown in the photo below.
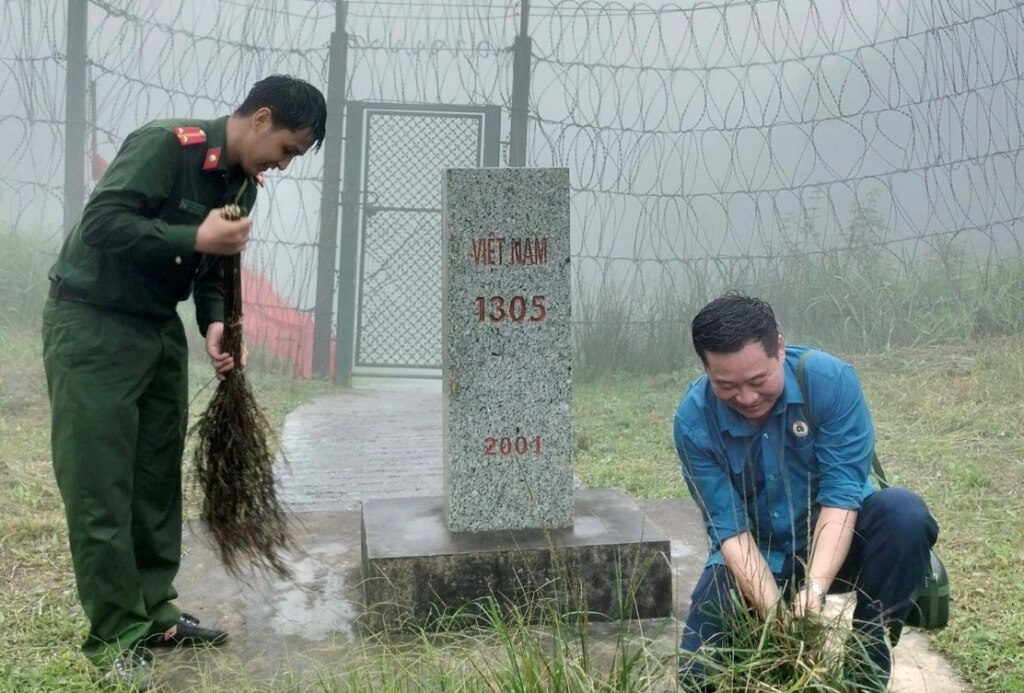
(134, 248)
(772, 480)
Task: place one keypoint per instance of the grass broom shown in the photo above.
(233, 456)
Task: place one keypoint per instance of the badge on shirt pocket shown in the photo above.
(192, 207)
(801, 429)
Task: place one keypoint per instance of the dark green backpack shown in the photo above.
(931, 609)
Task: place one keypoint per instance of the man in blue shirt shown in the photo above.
(783, 485)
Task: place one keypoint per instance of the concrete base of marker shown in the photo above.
(418, 574)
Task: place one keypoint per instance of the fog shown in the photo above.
(712, 135)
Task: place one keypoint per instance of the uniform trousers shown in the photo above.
(885, 567)
(118, 387)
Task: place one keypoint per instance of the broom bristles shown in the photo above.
(234, 470)
(234, 461)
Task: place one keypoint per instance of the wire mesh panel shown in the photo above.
(399, 317)
(406, 151)
(403, 153)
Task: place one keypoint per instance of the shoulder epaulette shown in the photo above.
(188, 136)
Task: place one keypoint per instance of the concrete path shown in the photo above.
(380, 440)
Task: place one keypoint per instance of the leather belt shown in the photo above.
(59, 292)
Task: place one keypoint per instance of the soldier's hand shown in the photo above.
(222, 360)
(218, 236)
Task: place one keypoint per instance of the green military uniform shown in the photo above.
(116, 366)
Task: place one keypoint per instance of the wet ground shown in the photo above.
(381, 440)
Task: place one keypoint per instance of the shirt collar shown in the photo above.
(791, 393)
(217, 145)
(728, 420)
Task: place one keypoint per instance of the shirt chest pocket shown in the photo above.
(184, 211)
(800, 451)
(192, 207)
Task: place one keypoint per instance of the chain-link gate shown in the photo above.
(394, 155)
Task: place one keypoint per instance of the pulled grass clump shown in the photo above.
(234, 460)
(783, 654)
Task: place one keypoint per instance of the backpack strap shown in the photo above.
(801, 379)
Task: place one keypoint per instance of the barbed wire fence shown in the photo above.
(858, 164)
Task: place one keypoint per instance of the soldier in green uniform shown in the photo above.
(115, 352)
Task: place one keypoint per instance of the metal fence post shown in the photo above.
(348, 264)
(327, 253)
(75, 113)
(520, 89)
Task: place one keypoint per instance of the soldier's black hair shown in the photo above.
(731, 322)
(294, 103)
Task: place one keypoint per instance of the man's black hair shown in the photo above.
(731, 322)
(294, 104)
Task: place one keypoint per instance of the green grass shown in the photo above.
(836, 300)
(23, 268)
(952, 429)
(949, 426)
(623, 430)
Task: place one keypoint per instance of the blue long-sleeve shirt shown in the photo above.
(771, 480)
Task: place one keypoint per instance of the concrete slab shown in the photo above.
(382, 440)
(613, 562)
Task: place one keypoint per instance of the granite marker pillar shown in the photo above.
(507, 421)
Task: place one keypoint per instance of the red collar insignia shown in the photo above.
(212, 160)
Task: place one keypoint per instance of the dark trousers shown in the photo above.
(118, 389)
(885, 567)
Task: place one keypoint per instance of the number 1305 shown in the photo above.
(516, 309)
